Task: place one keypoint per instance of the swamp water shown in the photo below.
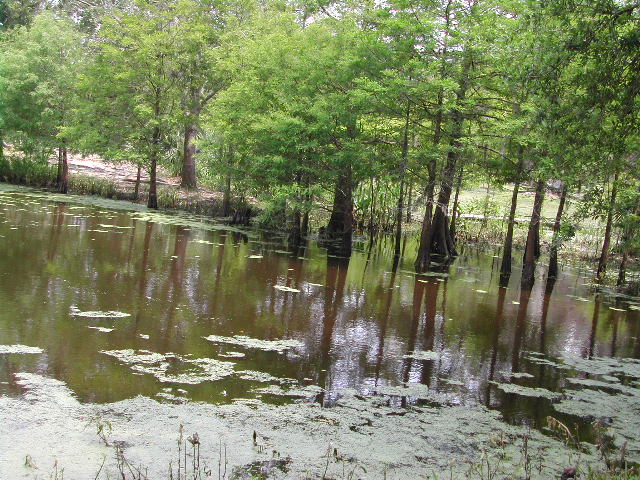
(118, 325)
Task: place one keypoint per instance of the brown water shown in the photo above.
(354, 320)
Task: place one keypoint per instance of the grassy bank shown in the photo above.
(19, 171)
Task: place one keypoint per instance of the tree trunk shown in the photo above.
(441, 241)
(455, 215)
(622, 273)
(604, 254)
(555, 242)
(136, 191)
(226, 199)
(424, 251)
(399, 216)
(188, 157)
(152, 202)
(403, 167)
(304, 228)
(295, 236)
(505, 267)
(340, 225)
(409, 203)
(626, 238)
(533, 235)
(63, 169)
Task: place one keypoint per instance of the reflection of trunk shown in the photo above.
(614, 331)
(179, 253)
(502, 292)
(418, 292)
(63, 169)
(454, 213)
(56, 228)
(525, 295)
(385, 321)
(136, 191)
(340, 225)
(604, 254)
(505, 267)
(532, 249)
(555, 242)
(594, 325)
(333, 292)
(142, 285)
(430, 313)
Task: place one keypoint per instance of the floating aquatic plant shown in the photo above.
(248, 342)
(19, 349)
(423, 355)
(286, 289)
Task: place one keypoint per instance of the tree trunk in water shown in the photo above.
(622, 273)
(295, 236)
(441, 241)
(454, 215)
(604, 254)
(63, 170)
(403, 167)
(226, 199)
(626, 237)
(409, 195)
(555, 242)
(533, 235)
(152, 202)
(188, 157)
(399, 216)
(424, 251)
(136, 191)
(340, 225)
(505, 267)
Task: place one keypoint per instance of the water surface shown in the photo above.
(361, 323)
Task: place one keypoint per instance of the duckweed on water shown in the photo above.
(99, 314)
(520, 375)
(19, 349)
(193, 371)
(367, 432)
(286, 289)
(101, 329)
(232, 355)
(423, 355)
(248, 342)
(528, 391)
